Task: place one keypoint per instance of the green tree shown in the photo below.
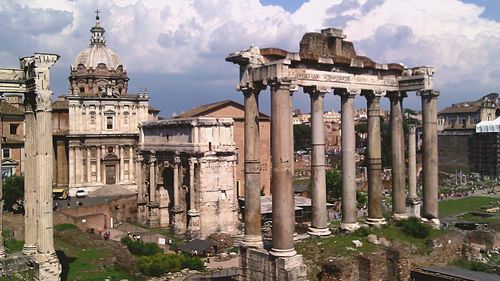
(13, 189)
(301, 137)
(333, 185)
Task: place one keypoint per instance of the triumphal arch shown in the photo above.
(326, 63)
(32, 79)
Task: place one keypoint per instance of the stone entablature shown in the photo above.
(186, 172)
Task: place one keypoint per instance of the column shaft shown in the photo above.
(374, 161)
(98, 163)
(412, 163)
(30, 184)
(152, 180)
(349, 212)
(2, 248)
(122, 163)
(131, 165)
(398, 160)
(319, 223)
(430, 156)
(71, 165)
(282, 172)
(89, 168)
(252, 216)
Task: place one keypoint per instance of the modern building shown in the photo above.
(12, 122)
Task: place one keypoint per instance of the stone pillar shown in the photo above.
(78, 163)
(141, 191)
(89, 168)
(178, 227)
(430, 157)
(71, 165)
(2, 248)
(374, 160)
(349, 211)
(319, 223)
(193, 213)
(122, 163)
(46, 264)
(131, 164)
(282, 172)
(152, 179)
(413, 199)
(62, 164)
(252, 216)
(30, 182)
(398, 156)
(98, 164)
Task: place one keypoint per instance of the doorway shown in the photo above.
(110, 174)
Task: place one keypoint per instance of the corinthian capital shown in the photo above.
(251, 87)
(428, 93)
(317, 90)
(283, 84)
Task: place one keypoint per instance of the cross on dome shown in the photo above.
(97, 31)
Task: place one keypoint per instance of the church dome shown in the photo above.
(97, 52)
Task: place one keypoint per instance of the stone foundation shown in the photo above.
(47, 268)
(15, 263)
(258, 264)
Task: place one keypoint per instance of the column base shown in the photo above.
(283, 252)
(313, 231)
(29, 250)
(349, 226)
(434, 223)
(47, 268)
(398, 217)
(374, 221)
(414, 207)
(252, 241)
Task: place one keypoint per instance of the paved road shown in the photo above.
(86, 201)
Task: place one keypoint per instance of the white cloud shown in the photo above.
(193, 37)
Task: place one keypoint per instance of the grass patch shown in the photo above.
(10, 243)
(88, 257)
(64, 226)
(473, 265)
(464, 205)
(16, 277)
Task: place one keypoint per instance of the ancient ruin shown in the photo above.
(326, 63)
(186, 172)
(32, 79)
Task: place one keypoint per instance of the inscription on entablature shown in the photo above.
(319, 76)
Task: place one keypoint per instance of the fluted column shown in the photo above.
(319, 222)
(98, 164)
(430, 156)
(374, 160)
(349, 211)
(30, 182)
(413, 199)
(2, 248)
(398, 156)
(89, 164)
(193, 213)
(152, 179)
(131, 164)
(252, 216)
(122, 163)
(282, 172)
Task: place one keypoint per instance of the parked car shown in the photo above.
(80, 193)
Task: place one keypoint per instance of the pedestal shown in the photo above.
(194, 230)
(47, 268)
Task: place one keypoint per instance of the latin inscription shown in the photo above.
(336, 78)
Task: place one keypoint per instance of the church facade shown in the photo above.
(100, 138)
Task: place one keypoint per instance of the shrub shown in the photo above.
(161, 263)
(414, 227)
(140, 248)
(361, 232)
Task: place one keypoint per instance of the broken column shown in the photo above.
(252, 216)
(282, 173)
(413, 200)
(430, 157)
(374, 160)
(349, 211)
(319, 223)
(398, 156)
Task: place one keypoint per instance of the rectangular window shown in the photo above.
(13, 129)
(6, 152)
(109, 123)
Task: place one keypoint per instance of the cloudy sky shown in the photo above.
(176, 48)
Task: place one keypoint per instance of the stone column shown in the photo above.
(89, 164)
(252, 216)
(78, 163)
(30, 182)
(349, 211)
(374, 160)
(2, 248)
(413, 199)
(141, 191)
(152, 179)
(282, 172)
(131, 164)
(319, 223)
(430, 157)
(98, 164)
(46, 264)
(398, 156)
(193, 213)
(71, 165)
(122, 163)
(62, 164)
